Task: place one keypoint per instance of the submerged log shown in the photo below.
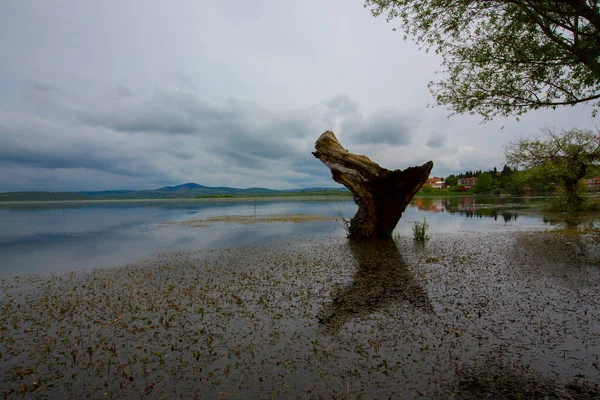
(381, 195)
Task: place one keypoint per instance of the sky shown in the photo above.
(141, 94)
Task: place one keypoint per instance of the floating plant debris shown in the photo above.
(464, 316)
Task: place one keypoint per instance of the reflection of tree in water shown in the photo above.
(485, 212)
(509, 216)
(572, 220)
(492, 207)
(382, 279)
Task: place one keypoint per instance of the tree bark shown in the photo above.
(381, 195)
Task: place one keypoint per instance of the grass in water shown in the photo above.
(420, 231)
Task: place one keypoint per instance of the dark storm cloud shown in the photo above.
(240, 130)
(436, 140)
(168, 136)
(79, 52)
(388, 127)
(253, 148)
(64, 160)
(35, 142)
(175, 136)
(161, 113)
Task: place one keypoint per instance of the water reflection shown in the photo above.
(473, 206)
(45, 237)
(580, 220)
(49, 237)
(506, 216)
(382, 278)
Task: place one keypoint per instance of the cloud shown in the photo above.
(41, 87)
(173, 136)
(436, 140)
(48, 101)
(123, 92)
(99, 107)
(164, 112)
(457, 159)
(36, 142)
(387, 127)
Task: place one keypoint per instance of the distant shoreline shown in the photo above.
(184, 199)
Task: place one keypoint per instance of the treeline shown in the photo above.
(508, 180)
(506, 170)
(489, 181)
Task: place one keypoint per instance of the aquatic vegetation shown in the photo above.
(310, 318)
(498, 378)
(420, 231)
(343, 221)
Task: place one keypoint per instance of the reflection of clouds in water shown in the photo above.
(46, 237)
(51, 250)
(382, 279)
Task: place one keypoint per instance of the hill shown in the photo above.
(184, 191)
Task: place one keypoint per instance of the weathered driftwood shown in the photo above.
(381, 195)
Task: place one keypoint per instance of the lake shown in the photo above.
(207, 300)
(47, 237)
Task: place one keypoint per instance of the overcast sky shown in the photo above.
(142, 94)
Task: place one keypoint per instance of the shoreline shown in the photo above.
(189, 200)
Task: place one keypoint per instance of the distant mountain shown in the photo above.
(184, 191)
(185, 186)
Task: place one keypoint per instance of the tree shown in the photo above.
(506, 179)
(451, 180)
(562, 157)
(593, 171)
(506, 170)
(484, 183)
(381, 195)
(506, 57)
(427, 188)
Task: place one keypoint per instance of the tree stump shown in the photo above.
(381, 195)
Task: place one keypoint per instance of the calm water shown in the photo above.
(49, 237)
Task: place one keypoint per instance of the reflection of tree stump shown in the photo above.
(381, 194)
(382, 279)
